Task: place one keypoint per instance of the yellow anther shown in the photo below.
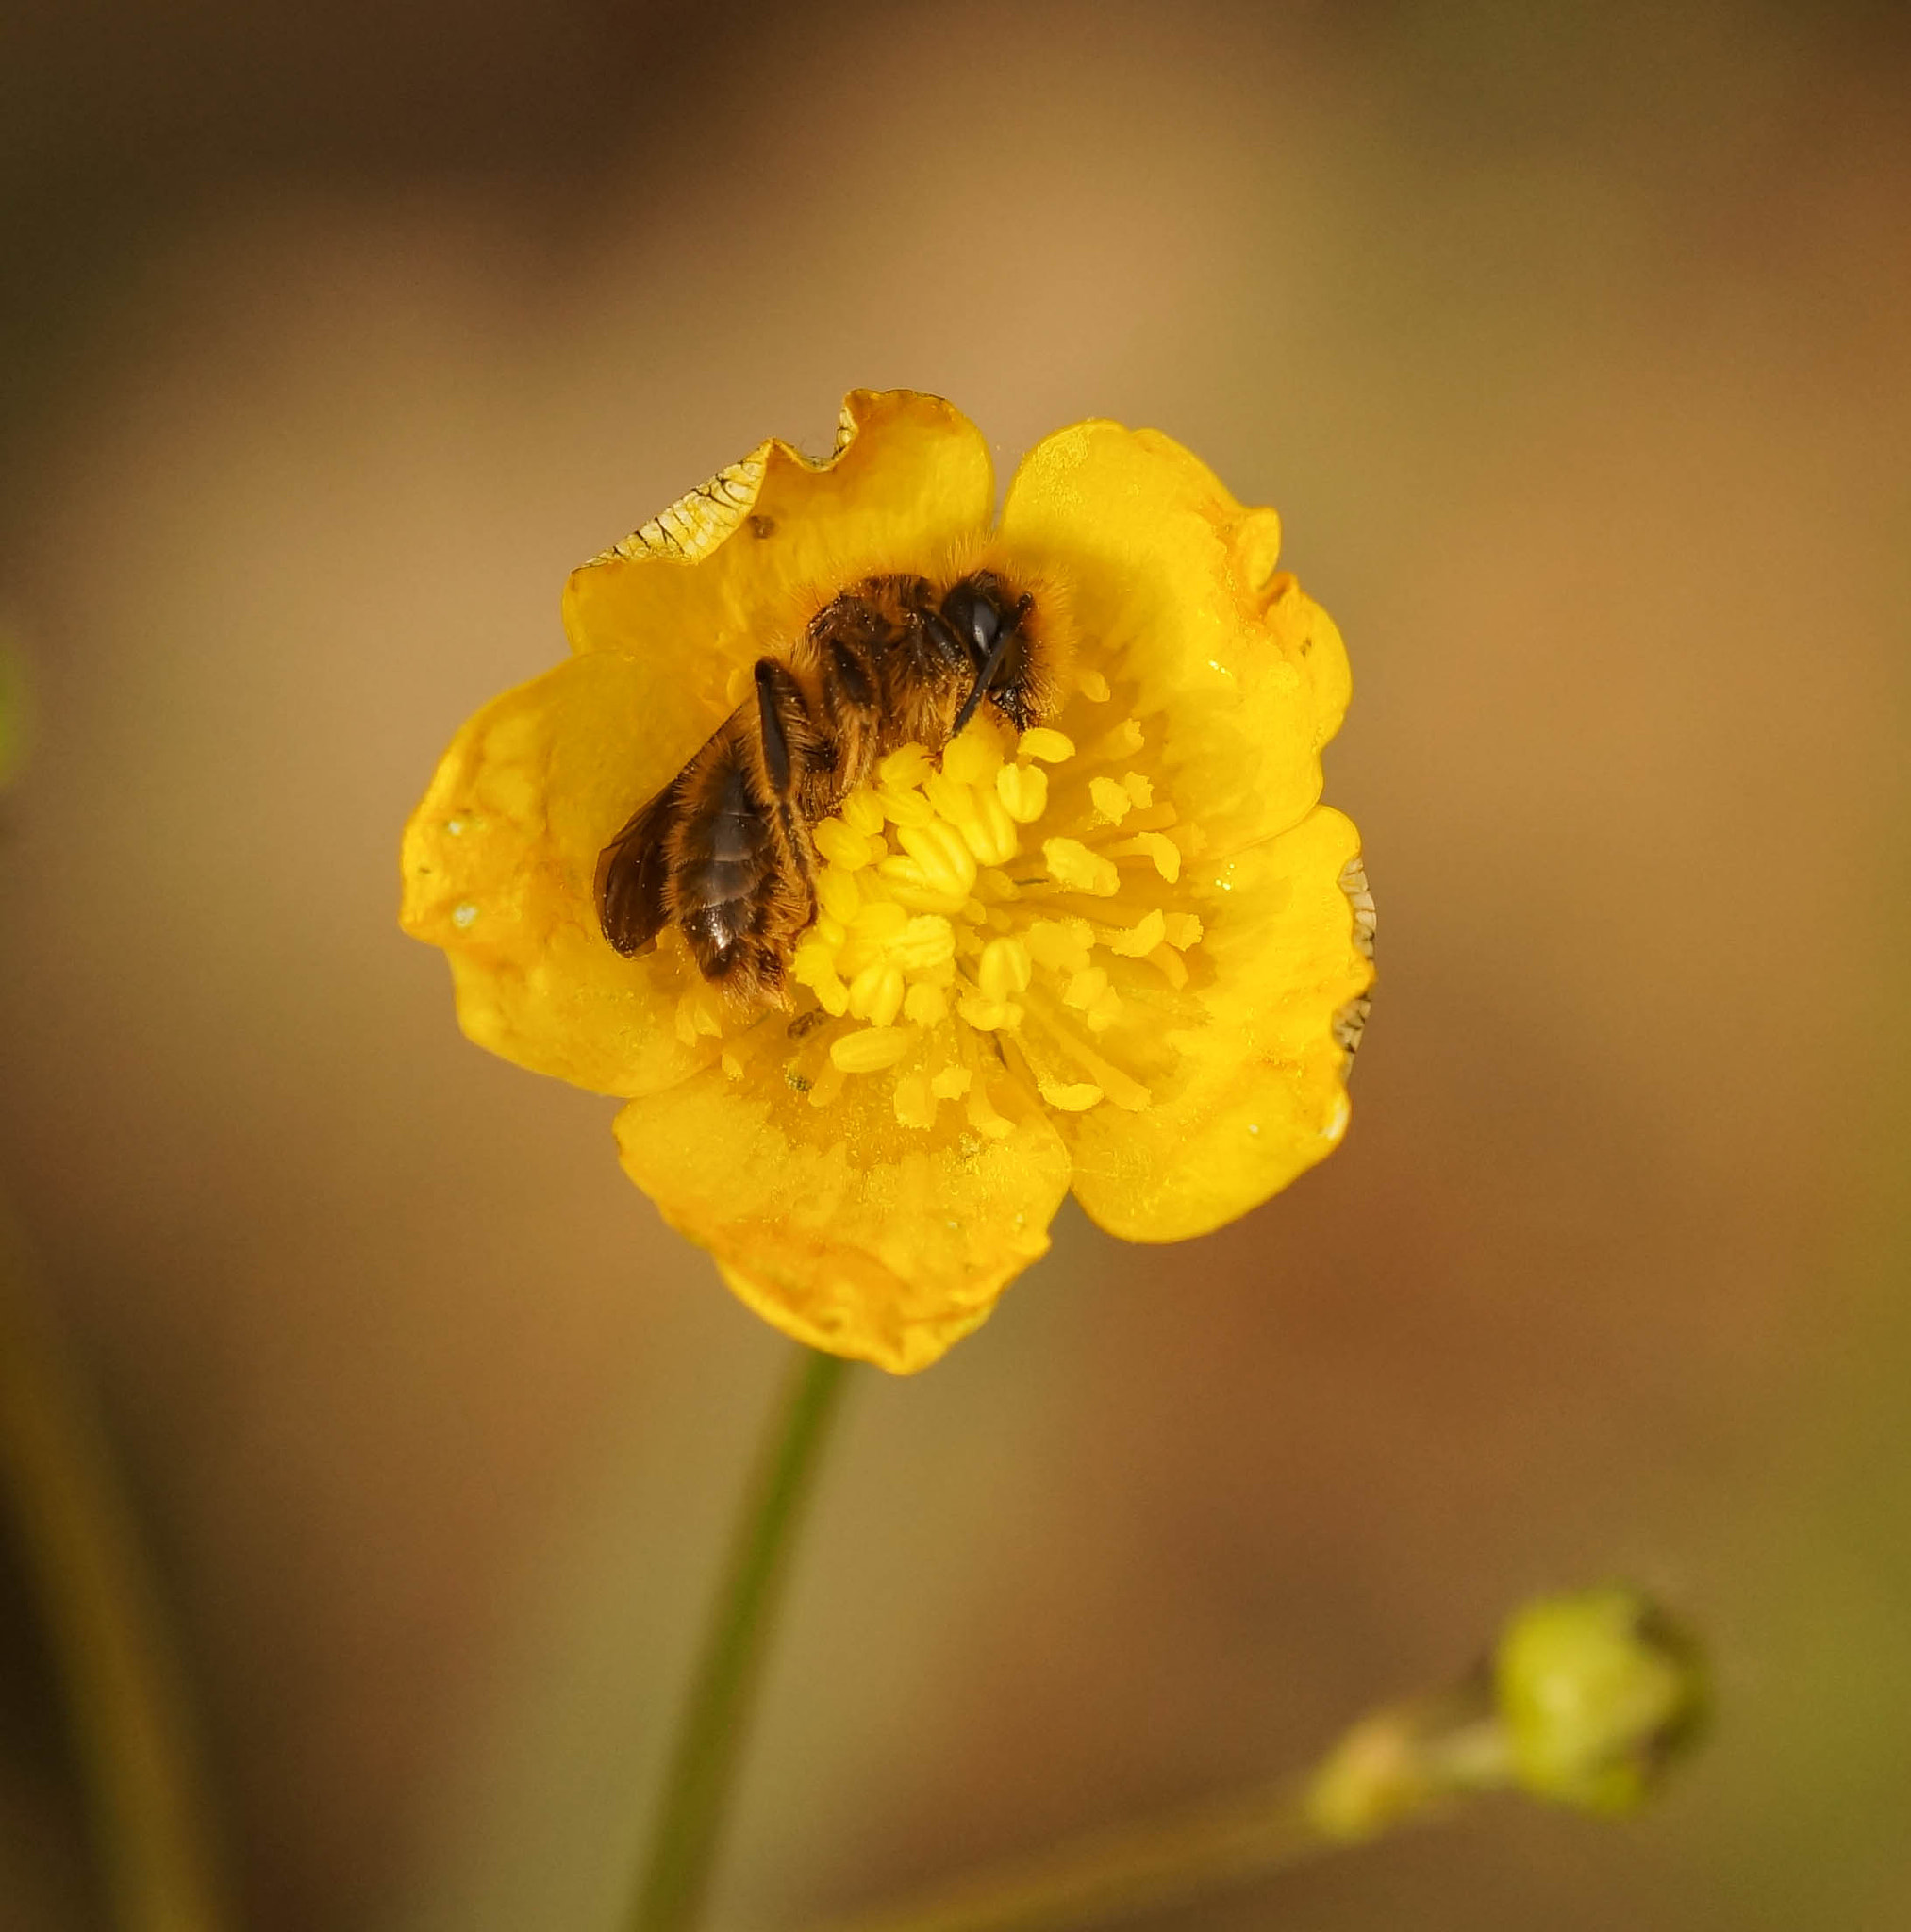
(1005, 969)
(1181, 930)
(1156, 847)
(1110, 800)
(988, 1015)
(1141, 938)
(926, 1004)
(990, 834)
(1051, 747)
(952, 1083)
(1093, 686)
(1122, 742)
(870, 1050)
(996, 887)
(875, 993)
(1072, 865)
(814, 965)
(1086, 987)
(1023, 792)
(1171, 965)
(952, 798)
(901, 771)
(946, 860)
(913, 886)
(841, 847)
(984, 1118)
(928, 941)
(1077, 1099)
(1105, 1011)
(976, 757)
(880, 922)
(828, 1085)
(836, 892)
(879, 847)
(862, 812)
(1140, 790)
(907, 808)
(733, 1067)
(1061, 943)
(814, 953)
(914, 1103)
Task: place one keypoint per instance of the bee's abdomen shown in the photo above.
(725, 862)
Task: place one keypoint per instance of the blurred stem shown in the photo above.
(697, 1789)
(1586, 1699)
(1116, 1875)
(82, 1558)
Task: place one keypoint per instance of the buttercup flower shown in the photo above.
(1125, 952)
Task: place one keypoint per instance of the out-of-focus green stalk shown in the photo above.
(127, 1713)
(1587, 1699)
(697, 1789)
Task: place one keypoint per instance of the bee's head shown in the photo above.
(990, 621)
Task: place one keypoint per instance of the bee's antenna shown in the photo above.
(991, 664)
(982, 685)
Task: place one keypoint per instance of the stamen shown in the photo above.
(1071, 865)
(1110, 800)
(1051, 747)
(1156, 847)
(1023, 792)
(1139, 939)
(915, 1102)
(1122, 742)
(933, 932)
(870, 1050)
(841, 847)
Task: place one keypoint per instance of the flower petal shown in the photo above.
(1249, 1086)
(1175, 587)
(847, 1230)
(750, 555)
(499, 862)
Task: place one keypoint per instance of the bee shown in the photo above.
(724, 851)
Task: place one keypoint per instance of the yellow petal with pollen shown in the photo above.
(498, 866)
(848, 1228)
(1250, 1088)
(1178, 580)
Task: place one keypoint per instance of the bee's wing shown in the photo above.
(631, 874)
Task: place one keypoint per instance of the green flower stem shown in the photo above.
(126, 1710)
(697, 1790)
(1587, 1699)
(1115, 1874)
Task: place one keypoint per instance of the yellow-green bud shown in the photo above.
(1597, 1691)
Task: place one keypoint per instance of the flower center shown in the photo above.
(1006, 911)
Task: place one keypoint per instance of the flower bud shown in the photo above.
(1597, 1691)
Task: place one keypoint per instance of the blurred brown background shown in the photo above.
(1574, 341)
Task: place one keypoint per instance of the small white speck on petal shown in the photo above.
(462, 915)
(455, 827)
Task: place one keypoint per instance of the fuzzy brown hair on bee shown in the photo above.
(723, 852)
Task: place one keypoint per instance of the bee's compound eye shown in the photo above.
(984, 624)
(976, 617)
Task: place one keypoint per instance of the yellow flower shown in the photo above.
(1126, 953)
